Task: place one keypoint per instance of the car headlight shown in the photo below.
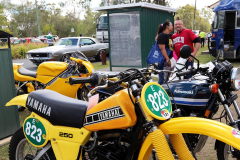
(28, 55)
(235, 79)
(50, 55)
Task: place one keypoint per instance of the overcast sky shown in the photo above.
(174, 3)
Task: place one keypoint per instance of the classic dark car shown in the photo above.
(63, 49)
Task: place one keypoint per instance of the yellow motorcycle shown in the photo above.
(54, 76)
(127, 125)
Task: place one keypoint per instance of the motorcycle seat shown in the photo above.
(58, 109)
(27, 72)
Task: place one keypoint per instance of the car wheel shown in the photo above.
(99, 55)
(65, 58)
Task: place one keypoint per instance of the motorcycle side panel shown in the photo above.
(65, 141)
(62, 86)
(44, 79)
(51, 68)
(194, 94)
(115, 112)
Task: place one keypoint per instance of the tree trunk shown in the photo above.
(163, 2)
(149, 1)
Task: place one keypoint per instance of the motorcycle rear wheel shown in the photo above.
(20, 148)
(20, 92)
(224, 151)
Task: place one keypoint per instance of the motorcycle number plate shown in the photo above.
(156, 101)
(34, 131)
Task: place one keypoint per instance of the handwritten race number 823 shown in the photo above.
(158, 101)
(34, 131)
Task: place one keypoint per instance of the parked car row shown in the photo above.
(63, 49)
(27, 40)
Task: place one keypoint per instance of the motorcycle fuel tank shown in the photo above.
(115, 112)
(193, 93)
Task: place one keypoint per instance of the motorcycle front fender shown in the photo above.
(19, 100)
(211, 128)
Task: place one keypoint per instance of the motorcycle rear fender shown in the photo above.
(19, 100)
(214, 129)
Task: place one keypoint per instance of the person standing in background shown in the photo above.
(185, 37)
(162, 38)
(202, 36)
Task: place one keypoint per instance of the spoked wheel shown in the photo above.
(226, 152)
(66, 58)
(21, 149)
(20, 92)
(82, 93)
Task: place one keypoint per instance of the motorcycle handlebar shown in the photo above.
(191, 71)
(112, 83)
(93, 80)
(113, 75)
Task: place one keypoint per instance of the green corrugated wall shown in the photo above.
(9, 119)
(149, 21)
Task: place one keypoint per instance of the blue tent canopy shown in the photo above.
(228, 5)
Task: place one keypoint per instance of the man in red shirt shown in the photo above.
(185, 37)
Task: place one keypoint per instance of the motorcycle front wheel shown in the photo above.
(21, 149)
(225, 152)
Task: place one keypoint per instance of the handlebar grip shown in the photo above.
(80, 80)
(191, 71)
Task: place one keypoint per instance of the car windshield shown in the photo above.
(79, 55)
(68, 42)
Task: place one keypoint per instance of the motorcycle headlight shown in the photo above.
(235, 79)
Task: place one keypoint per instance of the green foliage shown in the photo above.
(202, 18)
(3, 19)
(48, 28)
(24, 19)
(20, 50)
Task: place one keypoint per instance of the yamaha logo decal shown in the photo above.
(104, 115)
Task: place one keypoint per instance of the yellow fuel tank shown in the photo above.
(51, 68)
(115, 112)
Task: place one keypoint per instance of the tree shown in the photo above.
(185, 13)
(4, 24)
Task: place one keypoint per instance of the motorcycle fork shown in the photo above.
(159, 140)
(227, 110)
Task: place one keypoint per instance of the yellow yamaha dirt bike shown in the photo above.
(127, 125)
(54, 76)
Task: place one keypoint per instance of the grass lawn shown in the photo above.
(100, 66)
(204, 58)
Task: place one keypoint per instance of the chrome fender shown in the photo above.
(19, 100)
(211, 128)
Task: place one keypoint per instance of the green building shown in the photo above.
(132, 29)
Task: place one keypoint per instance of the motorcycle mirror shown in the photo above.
(156, 64)
(219, 47)
(185, 51)
(220, 44)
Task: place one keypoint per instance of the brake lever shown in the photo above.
(96, 88)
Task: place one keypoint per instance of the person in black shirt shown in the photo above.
(162, 37)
